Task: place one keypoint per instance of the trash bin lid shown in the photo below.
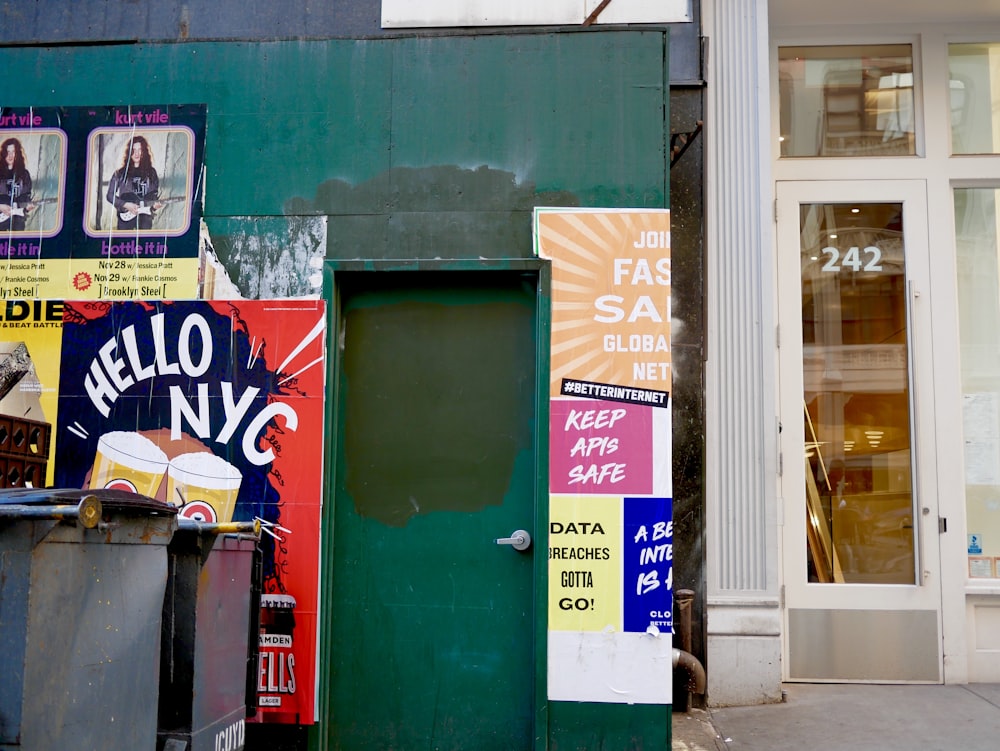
(117, 500)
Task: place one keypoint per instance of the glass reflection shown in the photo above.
(974, 93)
(846, 101)
(856, 394)
(977, 242)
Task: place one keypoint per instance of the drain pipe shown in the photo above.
(683, 657)
(695, 670)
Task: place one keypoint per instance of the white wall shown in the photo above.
(446, 13)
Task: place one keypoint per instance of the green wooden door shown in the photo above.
(432, 620)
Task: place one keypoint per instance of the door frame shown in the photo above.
(541, 269)
(798, 593)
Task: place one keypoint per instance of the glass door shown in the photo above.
(859, 539)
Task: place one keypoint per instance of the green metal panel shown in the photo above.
(542, 357)
(348, 128)
(608, 727)
(414, 148)
(283, 117)
(433, 623)
(548, 109)
(486, 128)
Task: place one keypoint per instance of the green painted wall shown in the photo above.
(381, 135)
(413, 148)
(608, 727)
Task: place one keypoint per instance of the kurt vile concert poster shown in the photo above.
(101, 202)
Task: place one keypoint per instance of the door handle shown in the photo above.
(519, 540)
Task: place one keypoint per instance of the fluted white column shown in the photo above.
(744, 617)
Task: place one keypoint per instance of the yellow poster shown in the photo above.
(30, 352)
(585, 563)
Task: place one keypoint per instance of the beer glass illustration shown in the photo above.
(128, 461)
(204, 485)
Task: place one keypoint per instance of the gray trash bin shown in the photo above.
(208, 654)
(82, 581)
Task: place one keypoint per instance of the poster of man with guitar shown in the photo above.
(32, 175)
(15, 186)
(139, 180)
(135, 187)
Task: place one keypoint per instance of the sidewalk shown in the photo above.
(860, 717)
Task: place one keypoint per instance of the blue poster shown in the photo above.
(648, 572)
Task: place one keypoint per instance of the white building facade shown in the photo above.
(853, 353)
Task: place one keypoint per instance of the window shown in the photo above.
(859, 496)
(977, 249)
(974, 82)
(846, 101)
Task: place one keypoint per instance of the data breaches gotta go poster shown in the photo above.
(100, 202)
(610, 489)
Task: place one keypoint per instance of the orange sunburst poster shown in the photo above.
(610, 542)
(610, 297)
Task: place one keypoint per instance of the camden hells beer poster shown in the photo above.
(214, 406)
(610, 488)
(100, 202)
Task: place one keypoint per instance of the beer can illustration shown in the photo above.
(276, 697)
(128, 461)
(204, 485)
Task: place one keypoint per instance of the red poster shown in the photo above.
(216, 407)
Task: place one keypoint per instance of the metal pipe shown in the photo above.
(684, 598)
(87, 511)
(695, 670)
(220, 528)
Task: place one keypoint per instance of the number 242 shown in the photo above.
(852, 259)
